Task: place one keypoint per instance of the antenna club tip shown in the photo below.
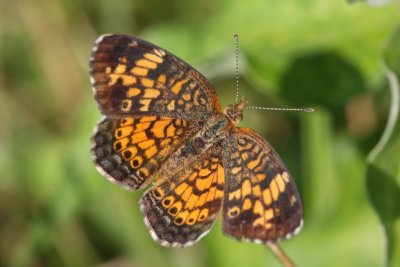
(309, 110)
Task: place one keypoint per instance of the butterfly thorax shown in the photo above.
(213, 131)
(234, 112)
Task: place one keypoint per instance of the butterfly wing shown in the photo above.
(129, 150)
(180, 210)
(133, 77)
(261, 202)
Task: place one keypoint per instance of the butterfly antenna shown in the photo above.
(282, 109)
(236, 39)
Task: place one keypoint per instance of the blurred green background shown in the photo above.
(57, 210)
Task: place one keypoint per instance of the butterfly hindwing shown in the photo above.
(129, 150)
(261, 202)
(181, 210)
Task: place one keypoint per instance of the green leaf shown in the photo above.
(372, 2)
(383, 168)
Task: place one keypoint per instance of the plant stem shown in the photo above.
(277, 250)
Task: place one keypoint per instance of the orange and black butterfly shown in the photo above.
(164, 127)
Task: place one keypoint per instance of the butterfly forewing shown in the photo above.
(133, 77)
(261, 202)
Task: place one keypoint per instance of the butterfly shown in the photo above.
(163, 128)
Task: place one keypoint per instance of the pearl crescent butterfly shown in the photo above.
(163, 127)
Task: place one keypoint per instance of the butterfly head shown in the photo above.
(234, 112)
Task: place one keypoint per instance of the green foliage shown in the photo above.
(383, 171)
(57, 210)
